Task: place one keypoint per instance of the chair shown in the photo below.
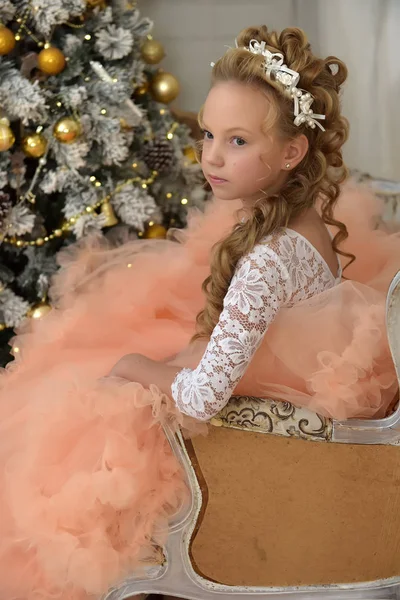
(273, 517)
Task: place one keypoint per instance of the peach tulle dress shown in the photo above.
(87, 480)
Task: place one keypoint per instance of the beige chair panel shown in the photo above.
(284, 512)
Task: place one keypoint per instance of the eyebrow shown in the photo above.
(230, 129)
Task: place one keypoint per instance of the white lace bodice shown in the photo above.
(281, 270)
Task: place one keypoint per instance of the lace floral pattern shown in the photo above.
(280, 271)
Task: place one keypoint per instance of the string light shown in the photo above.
(172, 130)
(57, 233)
(184, 201)
(169, 195)
(23, 27)
(76, 25)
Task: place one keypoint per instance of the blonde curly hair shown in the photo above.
(319, 174)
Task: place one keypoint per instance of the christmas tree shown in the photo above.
(87, 142)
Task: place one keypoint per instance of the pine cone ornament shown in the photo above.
(158, 155)
(5, 207)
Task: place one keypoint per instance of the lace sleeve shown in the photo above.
(259, 287)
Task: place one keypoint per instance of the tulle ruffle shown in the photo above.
(87, 488)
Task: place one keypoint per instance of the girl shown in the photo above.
(87, 478)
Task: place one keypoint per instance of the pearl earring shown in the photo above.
(287, 165)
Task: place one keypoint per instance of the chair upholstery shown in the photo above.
(279, 512)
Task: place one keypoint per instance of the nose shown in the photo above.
(214, 154)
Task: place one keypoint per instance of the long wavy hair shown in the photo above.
(317, 177)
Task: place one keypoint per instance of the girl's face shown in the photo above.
(238, 158)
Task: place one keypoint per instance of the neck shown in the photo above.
(273, 190)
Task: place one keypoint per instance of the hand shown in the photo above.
(128, 365)
(143, 370)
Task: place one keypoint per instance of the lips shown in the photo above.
(214, 179)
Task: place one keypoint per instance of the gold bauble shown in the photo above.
(152, 52)
(39, 310)
(155, 231)
(142, 89)
(108, 211)
(34, 145)
(190, 153)
(67, 130)
(7, 40)
(164, 87)
(6, 137)
(51, 61)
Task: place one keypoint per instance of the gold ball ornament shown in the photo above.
(6, 137)
(164, 87)
(7, 40)
(34, 145)
(67, 130)
(155, 231)
(152, 52)
(190, 154)
(142, 89)
(39, 310)
(51, 61)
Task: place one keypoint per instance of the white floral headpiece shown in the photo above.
(274, 64)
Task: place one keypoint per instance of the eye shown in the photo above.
(239, 141)
(207, 134)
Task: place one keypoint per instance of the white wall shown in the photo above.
(195, 33)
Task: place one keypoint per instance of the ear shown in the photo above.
(294, 152)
